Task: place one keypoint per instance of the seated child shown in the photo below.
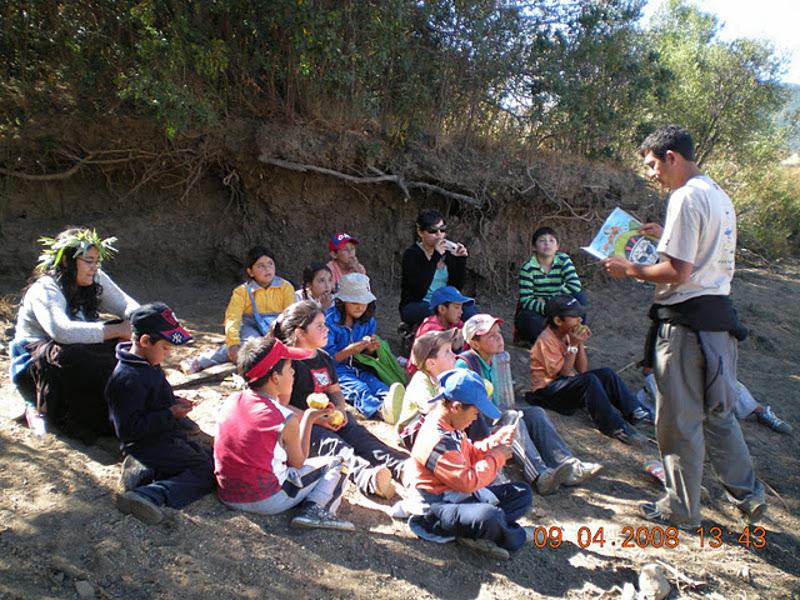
(546, 460)
(433, 355)
(351, 330)
(342, 249)
(744, 405)
(261, 449)
(547, 273)
(151, 422)
(454, 476)
(252, 308)
(561, 379)
(447, 305)
(372, 464)
(317, 285)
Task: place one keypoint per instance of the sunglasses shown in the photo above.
(442, 229)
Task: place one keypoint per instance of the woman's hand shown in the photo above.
(461, 250)
(117, 331)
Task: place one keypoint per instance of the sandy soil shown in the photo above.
(61, 536)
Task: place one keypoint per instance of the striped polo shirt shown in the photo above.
(536, 286)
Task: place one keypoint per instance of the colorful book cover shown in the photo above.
(620, 236)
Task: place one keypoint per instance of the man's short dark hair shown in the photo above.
(669, 137)
(543, 231)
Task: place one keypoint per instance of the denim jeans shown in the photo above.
(184, 471)
(220, 355)
(601, 391)
(480, 520)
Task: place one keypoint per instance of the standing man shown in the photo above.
(693, 337)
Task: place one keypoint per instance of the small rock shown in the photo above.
(745, 574)
(653, 584)
(59, 577)
(84, 589)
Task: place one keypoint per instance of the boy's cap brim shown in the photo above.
(467, 387)
(157, 320)
(448, 294)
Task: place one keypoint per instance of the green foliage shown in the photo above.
(572, 76)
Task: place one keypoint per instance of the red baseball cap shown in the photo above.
(340, 239)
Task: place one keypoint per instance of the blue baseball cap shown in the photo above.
(448, 294)
(467, 387)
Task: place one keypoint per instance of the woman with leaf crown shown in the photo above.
(62, 353)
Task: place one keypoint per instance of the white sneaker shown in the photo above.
(582, 471)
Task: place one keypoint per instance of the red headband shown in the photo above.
(278, 352)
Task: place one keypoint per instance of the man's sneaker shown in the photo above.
(134, 474)
(581, 471)
(485, 547)
(393, 403)
(550, 480)
(632, 438)
(651, 512)
(313, 516)
(131, 503)
(642, 415)
(752, 510)
(771, 420)
(383, 484)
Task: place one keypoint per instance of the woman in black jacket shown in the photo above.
(431, 262)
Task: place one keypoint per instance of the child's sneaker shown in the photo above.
(581, 471)
(134, 474)
(382, 482)
(485, 547)
(190, 366)
(631, 438)
(550, 480)
(393, 403)
(141, 507)
(313, 516)
(771, 420)
(642, 415)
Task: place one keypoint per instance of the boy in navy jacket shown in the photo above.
(151, 422)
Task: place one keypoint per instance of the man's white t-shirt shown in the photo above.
(700, 229)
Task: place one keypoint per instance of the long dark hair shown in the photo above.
(298, 316)
(85, 299)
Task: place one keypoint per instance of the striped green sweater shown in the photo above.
(536, 286)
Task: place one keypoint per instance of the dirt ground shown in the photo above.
(61, 536)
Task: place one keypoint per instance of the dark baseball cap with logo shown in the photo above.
(158, 321)
(563, 306)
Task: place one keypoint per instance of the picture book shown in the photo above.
(620, 236)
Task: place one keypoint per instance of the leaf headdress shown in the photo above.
(74, 242)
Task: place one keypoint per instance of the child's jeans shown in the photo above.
(601, 391)
(537, 445)
(320, 480)
(481, 520)
(184, 471)
(364, 451)
(361, 388)
(220, 355)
